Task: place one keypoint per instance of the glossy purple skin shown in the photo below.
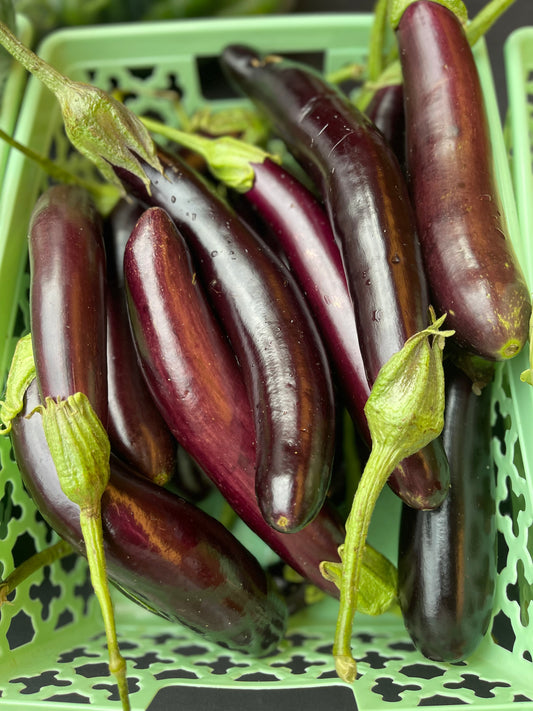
(303, 232)
(366, 196)
(447, 557)
(283, 360)
(196, 380)
(362, 186)
(137, 431)
(161, 551)
(469, 260)
(68, 296)
(386, 112)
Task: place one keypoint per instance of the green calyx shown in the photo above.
(79, 446)
(398, 7)
(405, 408)
(229, 159)
(98, 126)
(21, 373)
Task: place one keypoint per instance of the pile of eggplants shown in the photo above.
(234, 331)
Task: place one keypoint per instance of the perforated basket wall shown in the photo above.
(52, 646)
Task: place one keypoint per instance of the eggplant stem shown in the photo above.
(30, 566)
(49, 76)
(91, 527)
(105, 195)
(381, 463)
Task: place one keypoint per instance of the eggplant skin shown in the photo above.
(472, 271)
(447, 557)
(282, 357)
(366, 197)
(68, 296)
(195, 378)
(137, 431)
(161, 551)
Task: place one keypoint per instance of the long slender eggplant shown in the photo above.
(161, 551)
(195, 378)
(137, 431)
(473, 272)
(366, 196)
(305, 236)
(282, 357)
(447, 557)
(68, 296)
(303, 233)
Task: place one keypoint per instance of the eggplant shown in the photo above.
(282, 357)
(68, 296)
(162, 552)
(365, 193)
(137, 431)
(447, 557)
(301, 229)
(196, 379)
(469, 259)
(386, 112)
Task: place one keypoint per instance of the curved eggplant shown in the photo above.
(283, 360)
(196, 380)
(469, 260)
(161, 551)
(68, 296)
(303, 234)
(137, 431)
(365, 192)
(447, 557)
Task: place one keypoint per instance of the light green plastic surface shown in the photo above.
(63, 663)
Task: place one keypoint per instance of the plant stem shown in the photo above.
(91, 526)
(485, 18)
(30, 566)
(49, 76)
(380, 464)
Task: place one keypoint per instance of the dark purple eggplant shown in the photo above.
(162, 552)
(137, 431)
(283, 360)
(447, 557)
(386, 111)
(303, 234)
(196, 380)
(68, 296)
(469, 260)
(366, 196)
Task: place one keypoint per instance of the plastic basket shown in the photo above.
(13, 92)
(52, 645)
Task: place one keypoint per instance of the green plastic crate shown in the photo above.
(52, 644)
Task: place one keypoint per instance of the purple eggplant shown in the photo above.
(137, 431)
(303, 234)
(196, 380)
(386, 111)
(68, 296)
(162, 552)
(469, 260)
(283, 360)
(447, 557)
(368, 204)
